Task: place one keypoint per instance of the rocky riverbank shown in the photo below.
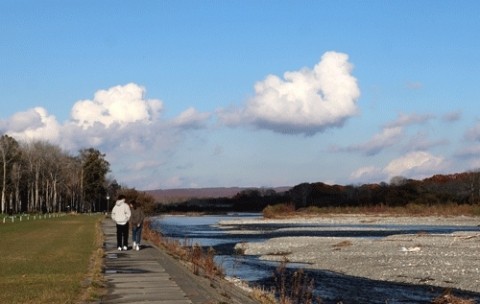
(449, 260)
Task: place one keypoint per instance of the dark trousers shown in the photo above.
(122, 235)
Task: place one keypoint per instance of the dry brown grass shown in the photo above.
(264, 296)
(201, 261)
(448, 298)
(411, 209)
(94, 283)
(342, 244)
(293, 288)
(279, 210)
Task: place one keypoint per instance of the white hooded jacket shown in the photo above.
(121, 212)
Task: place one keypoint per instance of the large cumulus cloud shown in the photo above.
(119, 104)
(305, 101)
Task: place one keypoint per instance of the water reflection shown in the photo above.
(329, 286)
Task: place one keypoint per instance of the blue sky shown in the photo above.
(247, 93)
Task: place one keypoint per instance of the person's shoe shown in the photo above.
(137, 247)
(119, 248)
(134, 244)
(125, 248)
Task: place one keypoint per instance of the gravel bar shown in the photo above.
(446, 260)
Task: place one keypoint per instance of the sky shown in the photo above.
(190, 94)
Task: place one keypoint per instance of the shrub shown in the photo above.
(448, 298)
(279, 210)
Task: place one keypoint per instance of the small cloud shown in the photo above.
(452, 116)
(409, 119)
(191, 119)
(31, 119)
(414, 85)
(368, 174)
(34, 124)
(473, 134)
(144, 164)
(175, 182)
(388, 137)
(304, 101)
(391, 135)
(469, 152)
(418, 164)
(421, 142)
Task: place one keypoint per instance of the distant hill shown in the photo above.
(164, 195)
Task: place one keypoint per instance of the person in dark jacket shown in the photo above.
(136, 221)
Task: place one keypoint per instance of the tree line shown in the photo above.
(39, 177)
(460, 188)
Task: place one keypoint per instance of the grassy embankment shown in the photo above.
(53, 260)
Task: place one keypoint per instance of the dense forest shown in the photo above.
(461, 188)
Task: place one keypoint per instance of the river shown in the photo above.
(329, 286)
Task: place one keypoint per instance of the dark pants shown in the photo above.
(122, 235)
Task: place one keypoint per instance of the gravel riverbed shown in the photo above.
(450, 260)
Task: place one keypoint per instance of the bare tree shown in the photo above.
(38, 176)
(9, 153)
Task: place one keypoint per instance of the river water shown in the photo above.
(330, 287)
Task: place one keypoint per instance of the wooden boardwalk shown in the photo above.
(152, 276)
(137, 276)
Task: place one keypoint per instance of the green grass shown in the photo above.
(48, 260)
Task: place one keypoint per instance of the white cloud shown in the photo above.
(305, 101)
(470, 156)
(176, 182)
(34, 124)
(414, 85)
(415, 165)
(191, 119)
(473, 133)
(421, 142)
(119, 104)
(409, 119)
(22, 121)
(452, 116)
(418, 165)
(393, 134)
(368, 174)
(471, 151)
(388, 137)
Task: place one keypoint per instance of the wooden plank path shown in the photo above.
(150, 275)
(137, 276)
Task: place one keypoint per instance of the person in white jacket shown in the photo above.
(121, 215)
